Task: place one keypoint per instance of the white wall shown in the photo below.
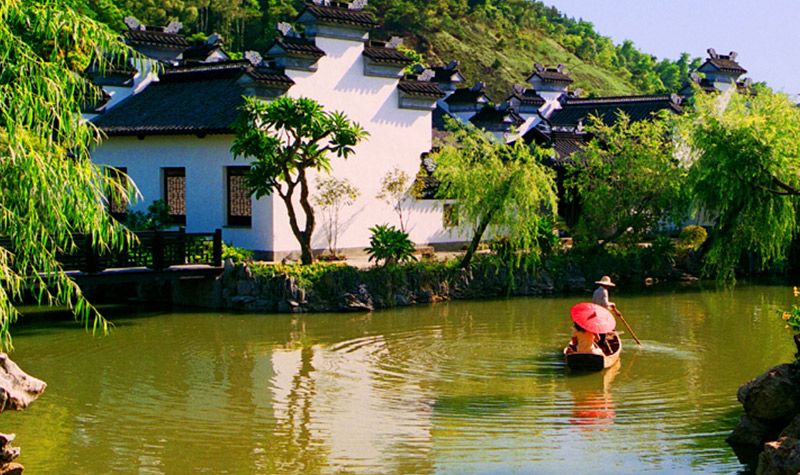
(206, 181)
(397, 139)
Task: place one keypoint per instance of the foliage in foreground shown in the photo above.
(500, 188)
(49, 188)
(628, 181)
(389, 245)
(333, 194)
(744, 159)
(288, 139)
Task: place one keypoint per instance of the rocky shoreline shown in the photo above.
(769, 430)
(346, 289)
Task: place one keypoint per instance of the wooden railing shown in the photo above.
(155, 250)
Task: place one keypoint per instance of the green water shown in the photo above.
(460, 387)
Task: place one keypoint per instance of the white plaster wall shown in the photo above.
(397, 138)
(206, 181)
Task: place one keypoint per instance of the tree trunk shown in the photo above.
(476, 239)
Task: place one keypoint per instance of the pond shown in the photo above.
(457, 387)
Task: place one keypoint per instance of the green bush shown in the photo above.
(236, 254)
(692, 237)
(389, 245)
(157, 218)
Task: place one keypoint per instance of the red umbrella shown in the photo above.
(593, 318)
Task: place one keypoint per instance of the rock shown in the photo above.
(11, 469)
(245, 287)
(361, 301)
(780, 457)
(792, 430)
(751, 432)
(17, 389)
(773, 396)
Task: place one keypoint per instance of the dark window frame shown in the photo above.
(175, 172)
(238, 213)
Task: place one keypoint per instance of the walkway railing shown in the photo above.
(155, 250)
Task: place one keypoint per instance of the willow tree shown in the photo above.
(744, 158)
(629, 180)
(502, 188)
(287, 139)
(48, 187)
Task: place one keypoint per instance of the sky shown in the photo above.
(765, 33)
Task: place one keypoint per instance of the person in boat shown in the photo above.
(584, 341)
(600, 297)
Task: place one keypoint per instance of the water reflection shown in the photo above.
(462, 387)
(594, 409)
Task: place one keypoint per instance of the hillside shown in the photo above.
(487, 54)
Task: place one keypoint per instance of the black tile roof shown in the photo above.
(420, 88)
(378, 52)
(494, 116)
(465, 95)
(444, 74)
(725, 64)
(200, 52)
(551, 75)
(575, 109)
(338, 13)
(564, 144)
(188, 100)
(527, 97)
(299, 47)
(155, 38)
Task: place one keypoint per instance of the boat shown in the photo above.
(585, 361)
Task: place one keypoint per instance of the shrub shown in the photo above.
(157, 218)
(389, 245)
(692, 237)
(236, 254)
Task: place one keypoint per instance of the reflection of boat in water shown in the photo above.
(596, 408)
(588, 361)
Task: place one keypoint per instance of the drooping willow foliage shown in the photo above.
(745, 171)
(500, 188)
(49, 189)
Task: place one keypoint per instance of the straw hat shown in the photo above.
(606, 280)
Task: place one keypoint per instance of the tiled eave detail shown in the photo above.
(418, 95)
(336, 15)
(159, 39)
(724, 65)
(298, 47)
(550, 77)
(387, 56)
(175, 130)
(578, 110)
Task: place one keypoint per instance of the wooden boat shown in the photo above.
(591, 361)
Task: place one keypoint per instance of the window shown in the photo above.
(240, 208)
(117, 200)
(175, 194)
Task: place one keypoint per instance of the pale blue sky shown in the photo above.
(765, 33)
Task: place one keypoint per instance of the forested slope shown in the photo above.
(496, 41)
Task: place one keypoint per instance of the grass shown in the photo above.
(480, 49)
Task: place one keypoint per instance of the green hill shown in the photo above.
(491, 56)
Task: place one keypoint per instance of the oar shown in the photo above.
(626, 325)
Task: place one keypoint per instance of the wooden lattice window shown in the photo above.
(175, 193)
(240, 208)
(117, 201)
